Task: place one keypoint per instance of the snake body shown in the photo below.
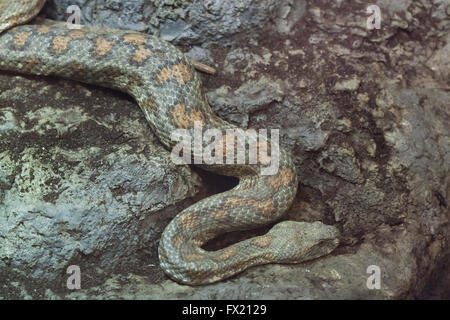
(168, 90)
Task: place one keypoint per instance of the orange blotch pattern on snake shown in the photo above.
(134, 38)
(180, 72)
(284, 177)
(102, 46)
(20, 38)
(141, 54)
(60, 44)
(265, 207)
(184, 119)
(226, 254)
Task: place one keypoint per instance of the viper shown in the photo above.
(165, 85)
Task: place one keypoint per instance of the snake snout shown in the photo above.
(301, 241)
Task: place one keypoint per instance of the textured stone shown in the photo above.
(347, 85)
(75, 181)
(178, 21)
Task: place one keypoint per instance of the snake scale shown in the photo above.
(168, 90)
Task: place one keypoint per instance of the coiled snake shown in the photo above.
(168, 90)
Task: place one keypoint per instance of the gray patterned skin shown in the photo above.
(168, 90)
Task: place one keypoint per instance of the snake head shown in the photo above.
(296, 242)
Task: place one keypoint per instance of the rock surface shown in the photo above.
(82, 181)
(365, 113)
(183, 22)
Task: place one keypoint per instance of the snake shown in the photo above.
(167, 88)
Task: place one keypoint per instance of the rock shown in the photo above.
(200, 54)
(347, 85)
(369, 142)
(247, 61)
(342, 162)
(289, 13)
(440, 61)
(437, 287)
(187, 22)
(82, 181)
(252, 96)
